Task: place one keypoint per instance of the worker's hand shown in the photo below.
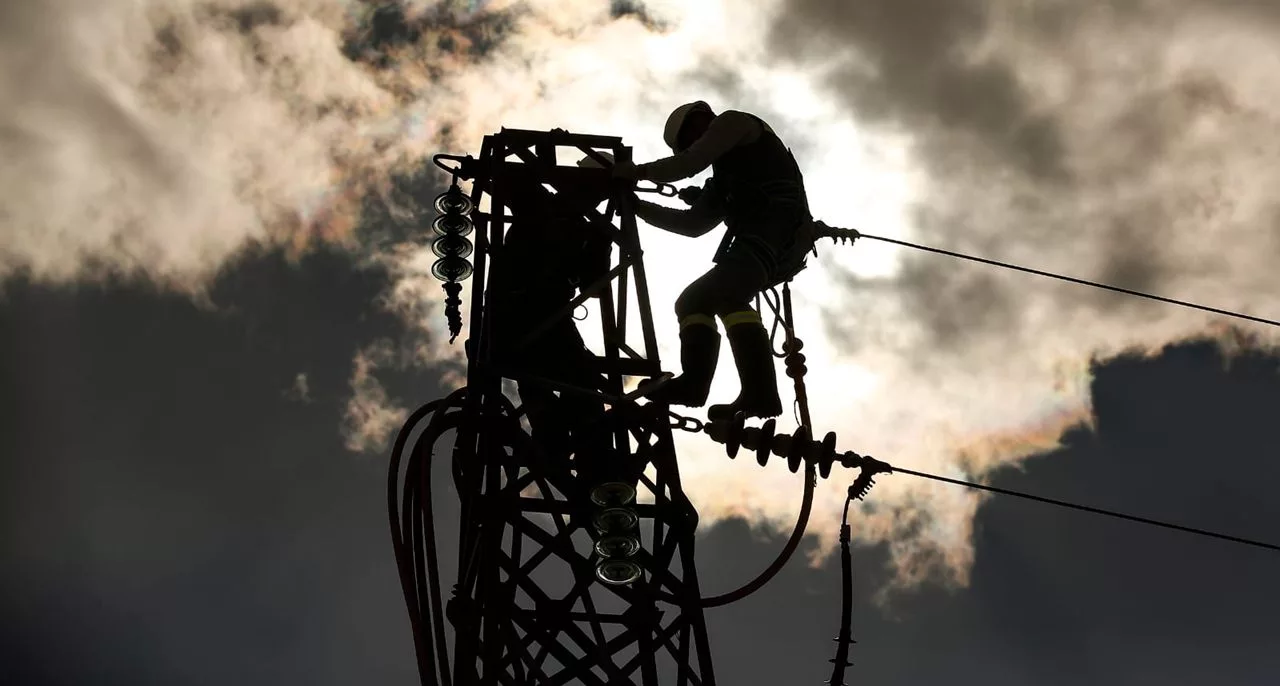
(589, 162)
(690, 194)
(626, 170)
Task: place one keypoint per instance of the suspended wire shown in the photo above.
(1094, 510)
(1072, 279)
(1051, 501)
(845, 638)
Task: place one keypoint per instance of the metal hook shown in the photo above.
(666, 190)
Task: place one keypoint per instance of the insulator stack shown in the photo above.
(616, 523)
(796, 448)
(452, 247)
(794, 359)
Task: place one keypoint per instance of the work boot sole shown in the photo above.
(648, 388)
(673, 392)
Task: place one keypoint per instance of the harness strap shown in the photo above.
(738, 318)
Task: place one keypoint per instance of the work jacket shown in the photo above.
(756, 189)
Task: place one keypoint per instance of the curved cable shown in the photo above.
(784, 556)
(810, 481)
(419, 518)
(449, 421)
(777, 318)
(845, 637)
(405, 564)
(417, 559)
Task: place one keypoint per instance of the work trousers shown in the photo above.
(747, 268)
(727, 288)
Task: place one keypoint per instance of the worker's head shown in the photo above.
(686, 124)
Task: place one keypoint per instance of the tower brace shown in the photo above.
(576, 555)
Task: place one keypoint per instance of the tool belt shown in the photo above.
(782, 258)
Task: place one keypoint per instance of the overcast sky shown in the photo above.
(210, 321)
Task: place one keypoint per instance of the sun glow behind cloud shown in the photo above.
(165, 156)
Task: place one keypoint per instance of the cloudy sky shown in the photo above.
(213, 313)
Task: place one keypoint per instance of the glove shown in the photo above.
(690, 194)
(626, 170)
(590, 163)
(621, 170)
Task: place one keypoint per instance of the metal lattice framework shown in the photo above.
(549, 529)
(565, 576)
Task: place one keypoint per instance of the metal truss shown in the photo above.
(576, 560)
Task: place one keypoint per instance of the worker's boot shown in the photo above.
(753, 355)
(699, 353)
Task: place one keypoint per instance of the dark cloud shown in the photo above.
(1060, 597)
(912, 63)
(957, 302)
(250, 16)
(1132, 264)
(634, 9)
(386, 27)
(172, 517)
(404, 209)
(1123, 142)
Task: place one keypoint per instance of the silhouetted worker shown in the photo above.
(543, 263)
(757, 190)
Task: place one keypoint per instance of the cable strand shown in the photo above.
(1091, 509)
(1072, 279)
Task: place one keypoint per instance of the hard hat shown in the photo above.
(675, 122)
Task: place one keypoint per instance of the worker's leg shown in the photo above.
(699, 353)
(752, 350)
(726, 287)
(753, 356)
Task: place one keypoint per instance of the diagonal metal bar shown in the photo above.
(570, 664)
(564, 624)
(593, 216)
(586, 294)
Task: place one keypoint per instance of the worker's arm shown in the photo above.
(707, 212)
(725, 132)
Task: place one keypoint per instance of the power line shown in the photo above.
(801, 446)
(848, 233)
(1060, 277)
(1094, 510)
